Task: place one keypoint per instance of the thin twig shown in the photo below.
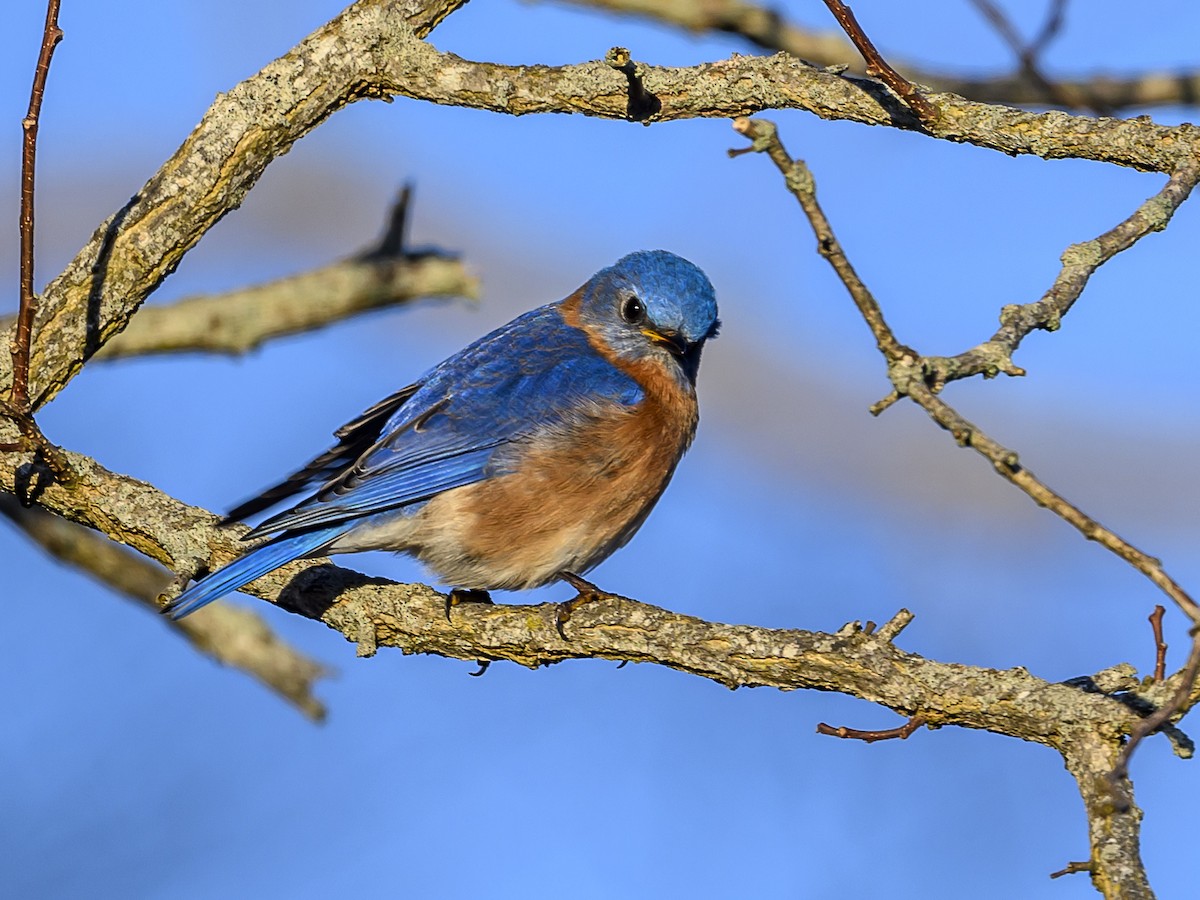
(23, 336)
(1079, 262)
(1145, 727)
(765, 138)
(1072, 868)
(878, 67)
(394, 242)
(1007, 464)
(1160, 646)
(887, 734)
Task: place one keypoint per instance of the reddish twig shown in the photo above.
(887, 734)
(1155, 721)
(23, 336)
(1072, 868)
(878, 67)
(1160, 646)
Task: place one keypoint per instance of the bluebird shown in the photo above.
(529, 456)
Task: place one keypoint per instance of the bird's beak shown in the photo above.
(672, 340)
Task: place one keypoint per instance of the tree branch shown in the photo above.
(766, 28)
(878, 67)
(746, 84)
(1079, 262)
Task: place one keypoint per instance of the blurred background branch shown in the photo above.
(241, 320)
(232, 636)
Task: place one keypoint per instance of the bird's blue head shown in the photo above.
(652, 304)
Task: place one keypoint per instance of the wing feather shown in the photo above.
(534, 374)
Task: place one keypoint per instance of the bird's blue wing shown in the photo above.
(537, 372)
(354, 438)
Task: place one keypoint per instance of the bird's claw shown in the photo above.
(588, 593)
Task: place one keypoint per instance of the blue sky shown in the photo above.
(138, 768)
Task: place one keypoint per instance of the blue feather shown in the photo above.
(533, 374)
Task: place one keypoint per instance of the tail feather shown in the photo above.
(253, 565)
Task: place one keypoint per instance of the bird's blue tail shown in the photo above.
(253, 565)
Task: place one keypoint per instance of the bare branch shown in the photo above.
(23, 335)
(764, 27)
(765, 139)
(373, 612)
(742, 85)
(1079, 262)
(236, 637)
(1072, 868)
(1115, 863)
(902, 733)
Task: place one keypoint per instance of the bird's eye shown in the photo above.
(632, 310)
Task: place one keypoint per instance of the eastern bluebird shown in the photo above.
(530, 455)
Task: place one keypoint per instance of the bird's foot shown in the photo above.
(459, 596)
(588, 593)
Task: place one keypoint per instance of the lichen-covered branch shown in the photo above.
(765, 27)
(1114, 833)
(376, 613)
(1079, 262)
(742, 85)
(236, 637)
